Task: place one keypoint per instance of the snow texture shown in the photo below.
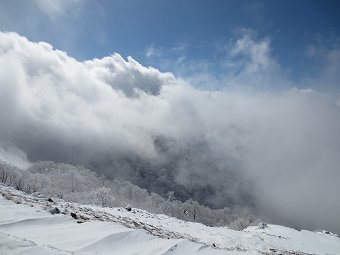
(27, 226)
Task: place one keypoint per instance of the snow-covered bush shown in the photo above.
(77, 184)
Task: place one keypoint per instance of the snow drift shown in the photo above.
(27, 226)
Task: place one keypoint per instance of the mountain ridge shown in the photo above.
(81, 229)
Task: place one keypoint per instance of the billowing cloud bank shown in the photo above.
(277, 152)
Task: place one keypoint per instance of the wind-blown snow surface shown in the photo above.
(27, 226)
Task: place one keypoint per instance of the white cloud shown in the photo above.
(128, 76)
(256, 54)
(14, 156)
(158, 52)
(281, 145)
(54, 8)
(243, 62)
(180, 47)
(151, 51)
(248, 58)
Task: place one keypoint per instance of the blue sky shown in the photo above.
(163, 33)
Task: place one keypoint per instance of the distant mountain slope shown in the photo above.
(35, 225)
(80, 185)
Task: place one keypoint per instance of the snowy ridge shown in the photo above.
(32, 225)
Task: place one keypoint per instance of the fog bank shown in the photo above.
(273, 151)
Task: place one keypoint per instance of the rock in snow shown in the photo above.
(28, 227)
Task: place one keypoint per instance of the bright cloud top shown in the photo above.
(277, 152)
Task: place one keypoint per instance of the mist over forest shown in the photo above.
(260, 144)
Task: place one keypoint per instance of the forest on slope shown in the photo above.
(81, 185)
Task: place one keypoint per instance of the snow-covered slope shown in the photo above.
(31, 225)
